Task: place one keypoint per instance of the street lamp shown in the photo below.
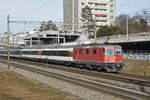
(127, 19)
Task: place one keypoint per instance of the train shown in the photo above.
(95, 57)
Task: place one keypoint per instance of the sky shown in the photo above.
(45, 10)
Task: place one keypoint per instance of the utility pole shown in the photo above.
(127, 29)
(30, 41)
(8, 32)
(59, 38)
(95, 29)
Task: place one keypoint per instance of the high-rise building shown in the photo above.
(104, 12)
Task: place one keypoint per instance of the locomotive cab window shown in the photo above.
(87, 51)
(118, 51)
(94, 51)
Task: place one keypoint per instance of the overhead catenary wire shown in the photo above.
(14, 18)
(33, 10)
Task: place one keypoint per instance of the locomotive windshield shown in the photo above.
(118, 51)
(108, 52)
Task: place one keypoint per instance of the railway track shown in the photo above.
(124, 93)
(121, 77)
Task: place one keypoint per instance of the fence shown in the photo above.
(137, 62)
(143, 55)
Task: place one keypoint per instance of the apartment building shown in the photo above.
(104, 12)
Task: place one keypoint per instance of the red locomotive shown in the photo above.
(106, 57)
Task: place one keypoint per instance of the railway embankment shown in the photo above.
(66, 87)
(16, 87)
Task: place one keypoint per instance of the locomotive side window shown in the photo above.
(80, 51)
(103, 51)
(94, 51)
(87, 51)
(118, 51)
(109, 52)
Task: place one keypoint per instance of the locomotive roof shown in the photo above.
(97, 46)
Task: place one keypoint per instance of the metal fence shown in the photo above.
(144, 55)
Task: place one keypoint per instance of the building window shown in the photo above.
(101, 20)
(111, 11)
(100, 15)
(101, 4)
(82, 3)
(111, 17)
(111, 5)
(90, 3)
(98, 9)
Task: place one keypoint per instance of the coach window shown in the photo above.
(43, 52)
(80, 51)
(94, 51)
(63, 53)
(26, 52)
(87, 51)
(33, 52)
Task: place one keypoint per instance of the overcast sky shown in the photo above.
(51, 10)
